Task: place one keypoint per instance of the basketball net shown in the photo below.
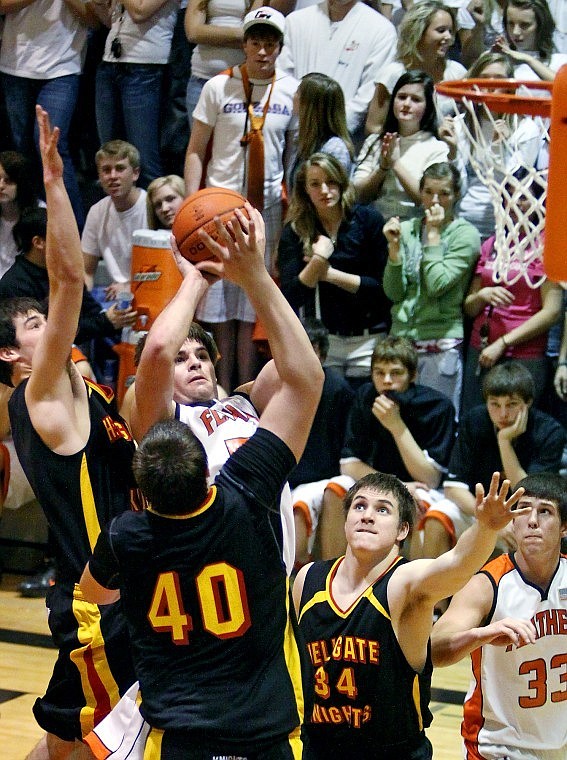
(497, 162)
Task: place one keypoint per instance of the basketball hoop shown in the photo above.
(518, 190)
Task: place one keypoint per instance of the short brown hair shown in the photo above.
(119, 149)
(396, 349)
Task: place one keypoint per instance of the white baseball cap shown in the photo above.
(267, 17)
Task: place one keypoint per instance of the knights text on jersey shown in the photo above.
(367, 698)
(517, 697)
(82, 492)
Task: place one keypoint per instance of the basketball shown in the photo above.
(196, 213)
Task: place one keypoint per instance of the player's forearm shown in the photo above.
(458, 565)
(64, 257)
(171, 326)
(449, 645)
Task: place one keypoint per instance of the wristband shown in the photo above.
(503, 339)
(562, 363)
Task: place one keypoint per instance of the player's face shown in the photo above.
(391, 376)
(8, 189)
(438, 191)
(166, 202)
(540, 530)
(261, 51)
(438, 37)
(409, 107)
(194, 377)
(373, 522)
(29, 329)
(324, 193)
(503, 410)
(521, 27)
(117, 177)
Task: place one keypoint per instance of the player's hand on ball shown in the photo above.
(240, 247)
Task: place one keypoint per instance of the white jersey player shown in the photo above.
(512, 619)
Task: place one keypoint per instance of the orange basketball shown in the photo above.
(196, 213)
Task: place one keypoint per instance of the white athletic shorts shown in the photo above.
(308, 498)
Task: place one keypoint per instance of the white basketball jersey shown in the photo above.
(222, 426)
(517, 697)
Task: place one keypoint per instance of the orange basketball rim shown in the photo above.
(532, 98)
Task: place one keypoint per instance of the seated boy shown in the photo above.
(506, 434)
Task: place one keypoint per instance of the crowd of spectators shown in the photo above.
(375, 213)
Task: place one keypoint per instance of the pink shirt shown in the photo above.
(527, 302)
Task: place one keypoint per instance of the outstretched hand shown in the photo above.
(495, 510)
(239, 249)
(48, 139)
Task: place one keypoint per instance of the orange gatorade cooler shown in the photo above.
(155, 280)
(126, 369)
(155, 277)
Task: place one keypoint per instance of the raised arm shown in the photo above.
(417, 587)
(50, 393)
(290, 411)
(154, 377)
(460, 630)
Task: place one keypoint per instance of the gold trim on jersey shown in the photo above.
(416, 694)
(293, 664)
(152, 750)
(211, 496)
(99, 687)
(320, 597)
(88, 504)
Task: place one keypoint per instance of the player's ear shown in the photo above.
(9, 354)
(403, 531)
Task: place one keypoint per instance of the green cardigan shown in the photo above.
(430, 283)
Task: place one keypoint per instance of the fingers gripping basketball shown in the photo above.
(197, 213)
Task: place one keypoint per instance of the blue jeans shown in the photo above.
(128, 101)
(194, 87)
(59, 97)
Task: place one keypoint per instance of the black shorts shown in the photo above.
(94, 665)
(175, 745)
(330, 749)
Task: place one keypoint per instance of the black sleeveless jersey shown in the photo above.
(367, 700)
(82, 492)
(206, 596)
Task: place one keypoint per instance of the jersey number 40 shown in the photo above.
(222, 600)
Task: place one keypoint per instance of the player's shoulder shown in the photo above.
(498, 567)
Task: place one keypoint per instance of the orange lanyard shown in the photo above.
(256, 122)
